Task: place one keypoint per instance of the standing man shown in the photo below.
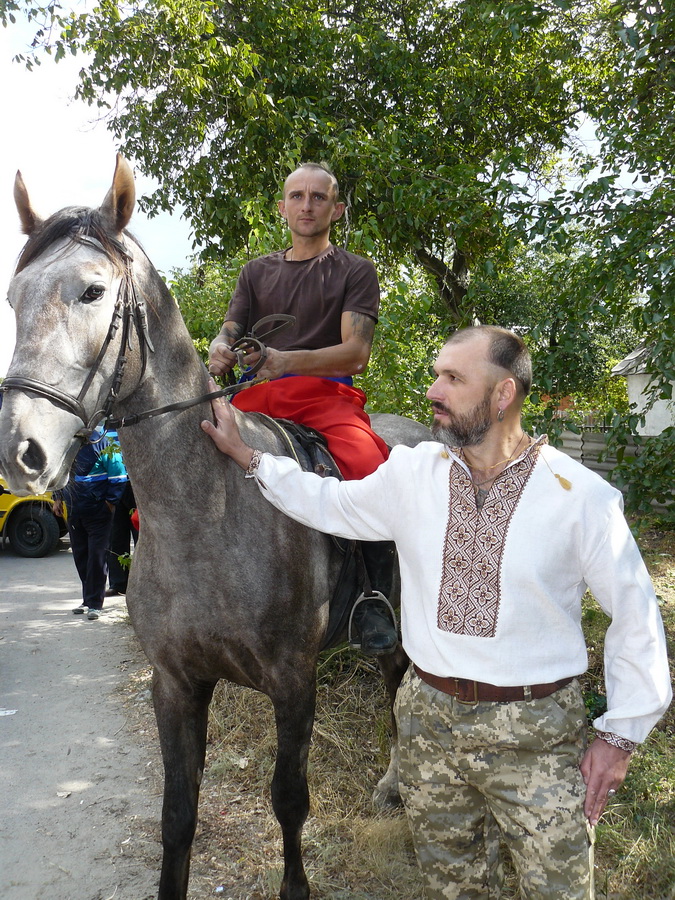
(499, 536)
(96, 487)
(334, 297)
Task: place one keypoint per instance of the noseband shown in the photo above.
(129, 309)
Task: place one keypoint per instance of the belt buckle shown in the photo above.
(473, 702)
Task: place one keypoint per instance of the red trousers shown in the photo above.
(333, 408)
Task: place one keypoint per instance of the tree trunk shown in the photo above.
(452, 281)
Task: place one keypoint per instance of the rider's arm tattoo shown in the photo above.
(232, 331)
(363, 327)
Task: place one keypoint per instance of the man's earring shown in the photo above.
(500, 415)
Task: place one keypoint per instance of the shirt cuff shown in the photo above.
(617, 741)
(252, 469)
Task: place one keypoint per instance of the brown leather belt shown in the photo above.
(476, 691)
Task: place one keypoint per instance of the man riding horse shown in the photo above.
(222, 586)
(334, 297)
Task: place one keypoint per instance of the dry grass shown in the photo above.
(349, 851)
(352, 853)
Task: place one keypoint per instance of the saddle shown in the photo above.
(310, 450)
(309, 447)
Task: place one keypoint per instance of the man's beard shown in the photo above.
(465, 429)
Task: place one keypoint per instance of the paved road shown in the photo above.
(78, 801)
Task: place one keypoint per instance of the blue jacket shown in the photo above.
(98, 476)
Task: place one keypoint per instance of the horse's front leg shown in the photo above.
(393, 667)
(181, 709)
(294, 712)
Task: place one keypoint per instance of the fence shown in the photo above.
(588, 446)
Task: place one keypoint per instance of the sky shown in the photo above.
(66, 158)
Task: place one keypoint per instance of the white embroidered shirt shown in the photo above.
(495, 595)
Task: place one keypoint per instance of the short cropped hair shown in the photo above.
(505, 349)
(321, 167)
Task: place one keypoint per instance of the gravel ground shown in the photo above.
(79, 794)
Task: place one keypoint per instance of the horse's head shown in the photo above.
(68, 288)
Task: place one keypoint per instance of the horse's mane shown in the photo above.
(76, 223)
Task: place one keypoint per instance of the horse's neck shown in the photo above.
(170, 459)
(173, 372)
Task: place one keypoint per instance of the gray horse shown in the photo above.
(222, 585)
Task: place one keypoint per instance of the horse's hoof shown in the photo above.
(296, 890)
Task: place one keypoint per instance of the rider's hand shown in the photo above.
(225, 434)
(275, 365)
(221, 358)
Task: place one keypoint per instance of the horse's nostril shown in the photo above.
(33, 457)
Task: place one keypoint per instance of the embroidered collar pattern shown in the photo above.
(469, 595)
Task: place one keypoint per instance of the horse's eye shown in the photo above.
(93, 292)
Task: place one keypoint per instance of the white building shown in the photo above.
(633, 369)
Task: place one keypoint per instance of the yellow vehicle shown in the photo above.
(28, 523)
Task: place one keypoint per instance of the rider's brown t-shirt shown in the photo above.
(316, 291)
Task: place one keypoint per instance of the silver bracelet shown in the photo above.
(617, 741)
(253, 465)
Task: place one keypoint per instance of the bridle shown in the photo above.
(251, 341)
(130, 311)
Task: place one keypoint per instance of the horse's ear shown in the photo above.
(30, 220)
(119, 202)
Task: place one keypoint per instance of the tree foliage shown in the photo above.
(629, 227)
(571, 361)
(573, 337)
(433, 115)
(452, 127)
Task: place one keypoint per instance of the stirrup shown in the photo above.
(373, 595)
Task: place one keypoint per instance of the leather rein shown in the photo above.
(130, 311)
(248, 342)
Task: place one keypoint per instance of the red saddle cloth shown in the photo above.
(334, 409)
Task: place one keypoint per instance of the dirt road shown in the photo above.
(79, 803)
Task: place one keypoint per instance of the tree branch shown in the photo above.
(452, 281)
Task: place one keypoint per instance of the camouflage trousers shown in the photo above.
(471, 775)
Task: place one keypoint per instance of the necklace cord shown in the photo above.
(494, 466)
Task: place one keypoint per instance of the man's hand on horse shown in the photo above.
(225, 433)
(221, 359)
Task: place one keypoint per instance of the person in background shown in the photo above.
(123, 530)
(334, 298)
(499, 536)
(97, 484)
